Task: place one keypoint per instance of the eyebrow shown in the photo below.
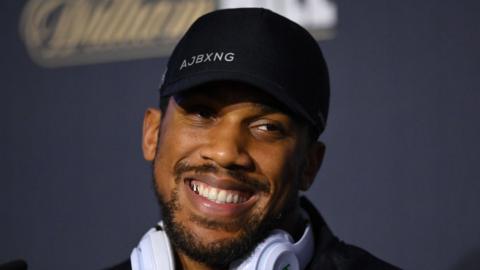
(266, 109)
(264, 106)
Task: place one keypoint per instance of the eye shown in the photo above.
(204, 112)
(267, 129)
(201, 113)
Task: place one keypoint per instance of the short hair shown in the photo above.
(164, 104)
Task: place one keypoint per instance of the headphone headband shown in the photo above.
(276, 252)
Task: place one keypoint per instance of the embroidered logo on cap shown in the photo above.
(207, 57)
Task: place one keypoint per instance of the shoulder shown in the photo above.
(333, 254)
(125, 265)
(345, 257)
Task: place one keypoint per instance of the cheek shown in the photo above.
(162, 177)
(174, 145)
(280, 165)
(276, 161)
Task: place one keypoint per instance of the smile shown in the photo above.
(215, 196)
(218, 195)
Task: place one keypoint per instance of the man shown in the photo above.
(242, 103)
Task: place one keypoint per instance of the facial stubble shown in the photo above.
(218, 254)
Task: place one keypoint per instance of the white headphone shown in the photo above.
(276, 252)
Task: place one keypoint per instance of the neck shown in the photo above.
(294, 224)
(186, 263)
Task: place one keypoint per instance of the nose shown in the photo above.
(226, 146)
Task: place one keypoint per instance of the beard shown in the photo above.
(221, 253)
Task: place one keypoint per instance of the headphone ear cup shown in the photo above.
(278, 252)
(153, 252)
(278, 255)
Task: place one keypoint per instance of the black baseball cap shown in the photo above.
(258, 47)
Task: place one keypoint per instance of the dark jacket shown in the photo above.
(333, 254)
(330, 253)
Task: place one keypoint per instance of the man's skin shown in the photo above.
(234, 128)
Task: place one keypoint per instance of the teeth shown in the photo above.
(229, 198)
(203, 191)
(212, 194)
(195, 187)
(220, 196)
(235, 198)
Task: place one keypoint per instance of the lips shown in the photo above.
(218, 195)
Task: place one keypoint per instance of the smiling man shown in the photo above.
(242, 103)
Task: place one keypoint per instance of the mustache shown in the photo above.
(237, 174)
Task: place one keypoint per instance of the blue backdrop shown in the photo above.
(401, 176)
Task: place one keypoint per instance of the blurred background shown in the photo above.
(401, 176)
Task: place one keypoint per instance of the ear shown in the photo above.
(151, 127)
(312, 164)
